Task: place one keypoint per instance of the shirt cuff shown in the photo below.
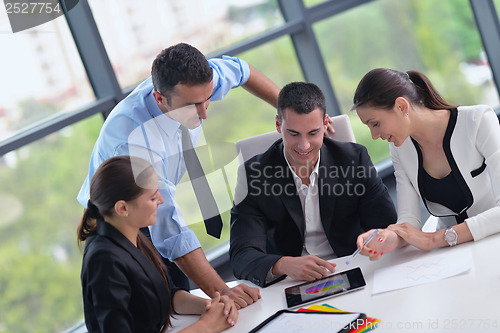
(244, 67)
(270, 277)
(178, 245)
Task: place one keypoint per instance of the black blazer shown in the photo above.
(122, 289)
(269, 223)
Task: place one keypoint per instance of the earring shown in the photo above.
(406, 115)
(126, 214)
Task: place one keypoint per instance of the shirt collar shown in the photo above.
(312, 177)
(167, 124)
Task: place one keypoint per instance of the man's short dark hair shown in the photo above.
(181, 63)
(302, 97)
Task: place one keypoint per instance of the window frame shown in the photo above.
(298, 25)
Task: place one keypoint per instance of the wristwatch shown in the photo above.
(450, 236)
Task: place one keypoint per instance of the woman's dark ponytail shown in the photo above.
(88, 224)
(429, 96)
(380, 88)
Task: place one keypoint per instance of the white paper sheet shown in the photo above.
(309, 322)
(431, 267)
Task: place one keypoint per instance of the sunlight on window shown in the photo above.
(458, 68)
(42, 75)
(148, 26)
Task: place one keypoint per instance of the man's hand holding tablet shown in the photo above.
(308, 268)
(328, 286)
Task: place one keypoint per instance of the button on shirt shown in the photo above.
(315, 241)
(137, 127)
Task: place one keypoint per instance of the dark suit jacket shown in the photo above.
(269, 223)
(122, 289)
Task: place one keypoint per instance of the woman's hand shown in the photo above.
(221, 313)
(416, 237)
(217, 313)
(230, 308)
(385, 241)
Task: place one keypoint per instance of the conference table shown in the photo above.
(467, 302)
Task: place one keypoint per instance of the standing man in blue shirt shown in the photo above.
(181, 78)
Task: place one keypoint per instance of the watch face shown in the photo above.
(450, 236)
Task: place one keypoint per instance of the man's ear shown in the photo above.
(121, 208)
(160, 99)
(278, 124)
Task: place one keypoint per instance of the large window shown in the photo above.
(41, 75)
(39, 259)
(134, 32)
(438, 38)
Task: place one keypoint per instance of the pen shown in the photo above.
(364, 244)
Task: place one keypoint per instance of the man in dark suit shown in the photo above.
(306, 199)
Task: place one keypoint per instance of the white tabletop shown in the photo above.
(469, 302)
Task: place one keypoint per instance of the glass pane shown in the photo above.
(39, 257)
(237, 116)
(148, 26)
(439, 38)
(309, 3)
(41, 75)
(497, 6)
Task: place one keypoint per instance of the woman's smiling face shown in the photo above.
(391, 125)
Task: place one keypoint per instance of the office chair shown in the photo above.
(249, 147)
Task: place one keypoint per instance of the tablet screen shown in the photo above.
(332, 285)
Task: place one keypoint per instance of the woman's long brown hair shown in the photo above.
(381, 86)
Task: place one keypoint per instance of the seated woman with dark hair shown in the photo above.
(125, 284)
(444, 155)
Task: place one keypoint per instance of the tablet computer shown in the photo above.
(328, 286)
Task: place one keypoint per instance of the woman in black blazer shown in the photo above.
(125, 284)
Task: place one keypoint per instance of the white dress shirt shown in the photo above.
(315, 241)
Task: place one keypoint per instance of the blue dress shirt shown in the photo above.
(137, 125)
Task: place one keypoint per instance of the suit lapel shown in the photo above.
(159, 285)
(289, 196)
(328, 172)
